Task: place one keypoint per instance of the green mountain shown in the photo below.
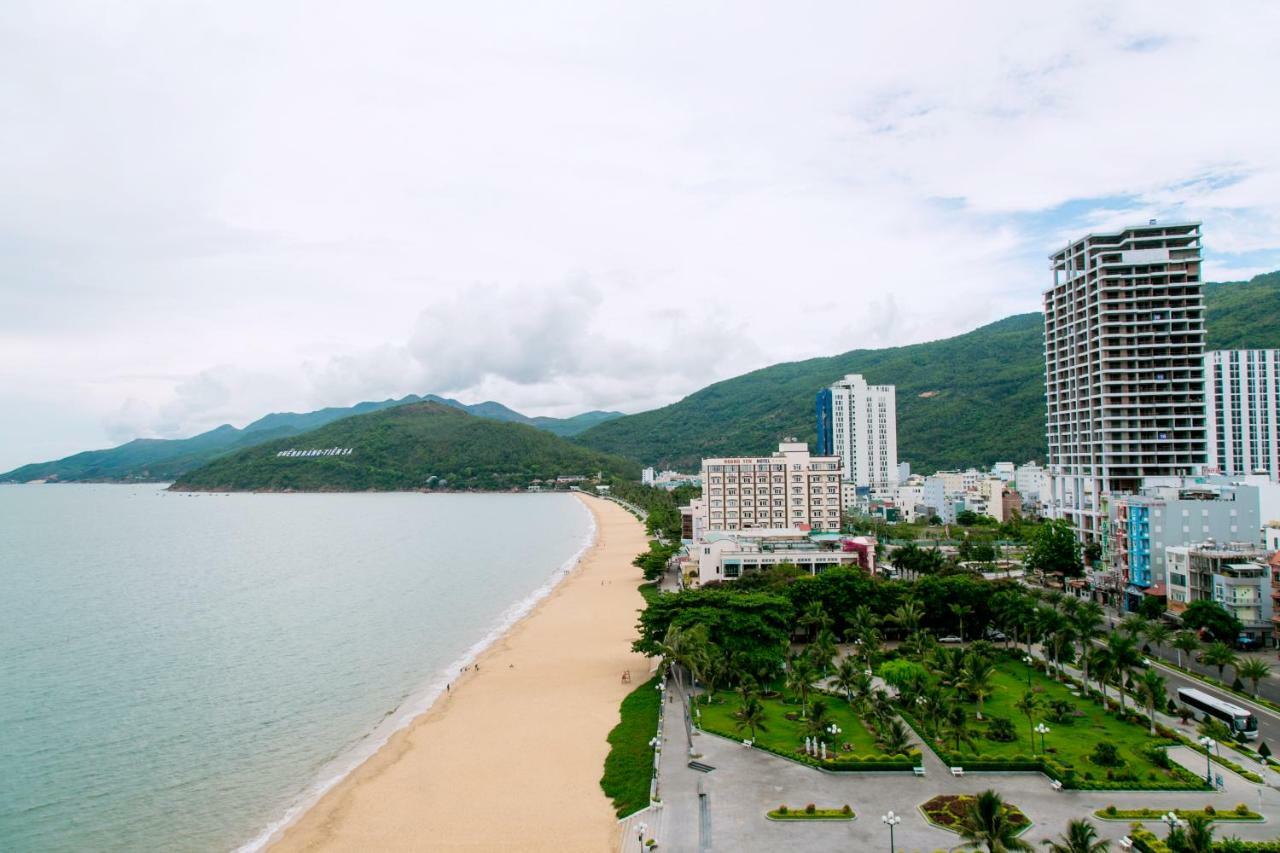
(158, 459)
(410, 446)
(973, 399)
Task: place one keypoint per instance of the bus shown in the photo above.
(1237, 718)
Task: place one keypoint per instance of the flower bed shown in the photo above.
(948, 812)
(1240, 812)
(810, 812)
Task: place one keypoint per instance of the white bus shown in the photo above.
(1239, 719)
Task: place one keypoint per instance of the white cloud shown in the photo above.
(579, 205)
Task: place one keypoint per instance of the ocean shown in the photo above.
(185, 672)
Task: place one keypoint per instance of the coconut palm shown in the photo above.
(1087, 625)
(819, 720)
(1151, 688)
(1080, 837)
(955, 726)
(1186, 642)
(1029, 703)
(847, 678)
(678, 647)
(987, 826)
(750, 716)
(1219, 654)
(1253, 670)
(1158, 634)
(894, 737)
(907, 616)
(1135, 625)
(1123, 656)
(977, 679)
(960, 611)
(814, 619)
(1196, 837)
(822, 651)
(801, 675)
(948, 663)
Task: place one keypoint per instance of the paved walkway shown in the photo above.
(727, 813)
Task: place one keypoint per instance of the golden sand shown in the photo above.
(511, 757)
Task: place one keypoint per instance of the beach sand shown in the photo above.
(511, 757)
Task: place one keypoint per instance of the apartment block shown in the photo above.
(791, 488)
(1124, 366)
(1242, 408)
(858, 423)
(1235, 575)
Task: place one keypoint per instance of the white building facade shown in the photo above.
(791, 488)
(858, 423)
(1242, 408)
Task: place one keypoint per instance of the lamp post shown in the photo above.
(640, 835)
(1173, 820)
(1207, 742)
(891, 820)
(1027, 660)
(1043, 730)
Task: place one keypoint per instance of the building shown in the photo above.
(858, 422)
(1145, 526)
(1242, 411)
(647, 475)
(1235, 575)
(1004, 470)
(1124, 366)
(791, 488)
(725, 555)
(1027, 479)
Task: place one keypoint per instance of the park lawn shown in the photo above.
(787, 736)
(1068, 743)
(628, 767)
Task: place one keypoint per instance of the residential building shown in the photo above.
(791, 488)
(693, 521)
(1028, 479)
(727, 555)
(1235, 575)
(1124, 368)
(1242, 411)
(647, 476)
(904, 471)
(1144, 526)
(1004, 470)
(858, 423)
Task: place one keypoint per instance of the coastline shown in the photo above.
(511, 755)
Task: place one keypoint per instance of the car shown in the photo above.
(996, 636)
(950, 638)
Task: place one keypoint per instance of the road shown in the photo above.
(1268, 720)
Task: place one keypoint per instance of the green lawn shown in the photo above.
(782, 735)
(628, 767)
(1070, 743)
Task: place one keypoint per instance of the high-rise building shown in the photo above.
(1124, 366)
(788, 489)
(1242, 408)
(859, 423)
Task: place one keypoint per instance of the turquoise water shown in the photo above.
(177, 671)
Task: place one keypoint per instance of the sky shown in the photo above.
(211, 211)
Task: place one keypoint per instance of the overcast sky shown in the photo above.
(212, 211)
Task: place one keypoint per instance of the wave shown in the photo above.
(416, 704)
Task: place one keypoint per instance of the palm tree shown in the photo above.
(960, 611)
(1253, 670)
(977, 680)
(1158, 634)
(1135, 625)
(1197, 837)
(894, 738)
(1029, 703)
(907, 617)
(987, 825)
(800, 678)
(822, 650)
(819, 720)
(1151, 688)
(679, 645)
(955, 725)
(814, 619)
(1185, 642)
(1122, 654)
(750, 716)
(848, 676)
(1100, 662)
(1219, 654)
(1080, 837)
(1087, 624)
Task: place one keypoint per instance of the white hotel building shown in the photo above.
(791, 488)
(1242, 403)
(859, 423)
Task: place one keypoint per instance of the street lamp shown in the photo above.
(1208, 743)
(1173, 820)
(640, 835)
(1027, 660)
(891, 820)
(1043, 730)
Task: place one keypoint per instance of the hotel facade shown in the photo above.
(791, 488)
(1242, 406)
(858, 423)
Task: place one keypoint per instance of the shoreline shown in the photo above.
(511, 753)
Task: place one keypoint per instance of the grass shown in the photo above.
(947, 811)
(1238, 813)
(650, 591)
(784, 813)
(1070, 743)
(628, 768)
(786, 736)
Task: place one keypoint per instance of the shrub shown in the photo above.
(1242, 809)
(810, 809)
(845, 809)
(1111, 810)
(1001, 729)
(1210, 810)
(782, 809)
(1105, 754)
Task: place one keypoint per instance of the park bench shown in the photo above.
(700, 767)
(919, 771)
(957, 771)
(1056, 785)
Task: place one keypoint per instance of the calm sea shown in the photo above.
(177, 671)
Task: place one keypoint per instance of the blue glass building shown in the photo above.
(822, 409)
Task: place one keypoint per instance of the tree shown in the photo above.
(977, 679)
(1135, 625)
(1196, 837)
(1212, 618)
(1151, 688)
(848, 677)
(750, 716)
(987, 825)
(1150, 607)
(1123, 656)
(894, 737)
(907, 617)
(814, 620)
(1186, 642)
(1087, 624)
(1054, 548)
(1029, 704)
(1080, 837)
(904, 675)
(801, 675)
(752, 627)
(1219, 654)
(1157, 634)
(822, 651)
(1253, 670)
(955, 726)
(960, 611)
(680, 646)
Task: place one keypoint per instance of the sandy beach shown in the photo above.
(511, 758)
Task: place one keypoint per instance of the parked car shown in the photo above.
(950, 638)
(996, 636)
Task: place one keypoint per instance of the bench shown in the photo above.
(700, 767)
(1126, 843)
(1056, 785)
(957, 771)
(919, 771)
